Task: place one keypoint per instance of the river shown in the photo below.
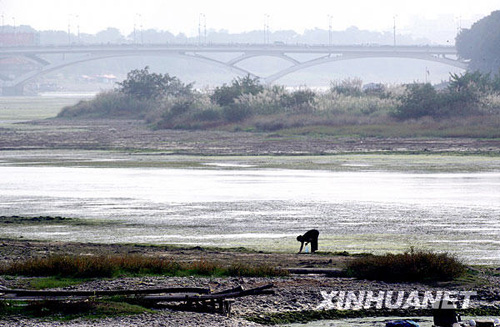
(232, 205)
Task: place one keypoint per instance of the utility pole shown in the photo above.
(330, 30)
(266, 29)
(69, 30)
(394, 31)
(459, 24)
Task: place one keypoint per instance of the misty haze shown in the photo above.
(166, 165)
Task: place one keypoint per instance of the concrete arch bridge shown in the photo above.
(38, 64)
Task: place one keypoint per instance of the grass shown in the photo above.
(42, 283)
(411, 266)
(56, 310)
(30, 108)
(119, 265)
(487, 127)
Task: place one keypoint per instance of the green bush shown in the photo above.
(410, 266)
(237, 112)
(141, 84)
(227, 94)
(419, 100)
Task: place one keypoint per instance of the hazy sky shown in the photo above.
(184, 16)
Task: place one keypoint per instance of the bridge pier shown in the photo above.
(16, 90)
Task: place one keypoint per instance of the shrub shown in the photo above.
(236, 112)
(208, 115)
(349, 86)
(409, 266)
(419, 100)
(227, 94)
(192, 112)
(267, 102)
(141, 84)
(356, 106)
(299, 101)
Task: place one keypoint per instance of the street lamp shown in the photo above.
(135, 27)
(69, 30)
(266, 29)
(77, 28)
(202, 19)
(394, 30)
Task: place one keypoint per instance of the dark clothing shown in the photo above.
(309, 237)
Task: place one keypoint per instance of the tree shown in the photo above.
(481, 44)
(226, 94)
(143, 85)
(109, 35)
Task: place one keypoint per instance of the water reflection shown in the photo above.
(262, 208)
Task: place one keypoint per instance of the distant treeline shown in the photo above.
(111, 35)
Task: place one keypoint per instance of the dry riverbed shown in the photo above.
(294, 293)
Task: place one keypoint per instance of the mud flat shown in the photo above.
(135, 135)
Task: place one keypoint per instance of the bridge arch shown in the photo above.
(48, 68)
(322, 55)
(328, 59)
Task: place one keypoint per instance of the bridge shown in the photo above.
(321, 54)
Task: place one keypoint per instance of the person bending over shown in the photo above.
(309, 237)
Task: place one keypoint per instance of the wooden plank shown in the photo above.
(263, 290)
(231, 290)
(160, 298)
(202, 299)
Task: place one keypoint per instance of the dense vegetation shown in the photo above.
(166, 102)
(410, 266)
(481, 44)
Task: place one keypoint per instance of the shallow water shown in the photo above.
(264, 209)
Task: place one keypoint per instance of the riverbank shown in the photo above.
(295, 295)
(133, 135)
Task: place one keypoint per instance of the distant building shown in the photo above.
(106, 78)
